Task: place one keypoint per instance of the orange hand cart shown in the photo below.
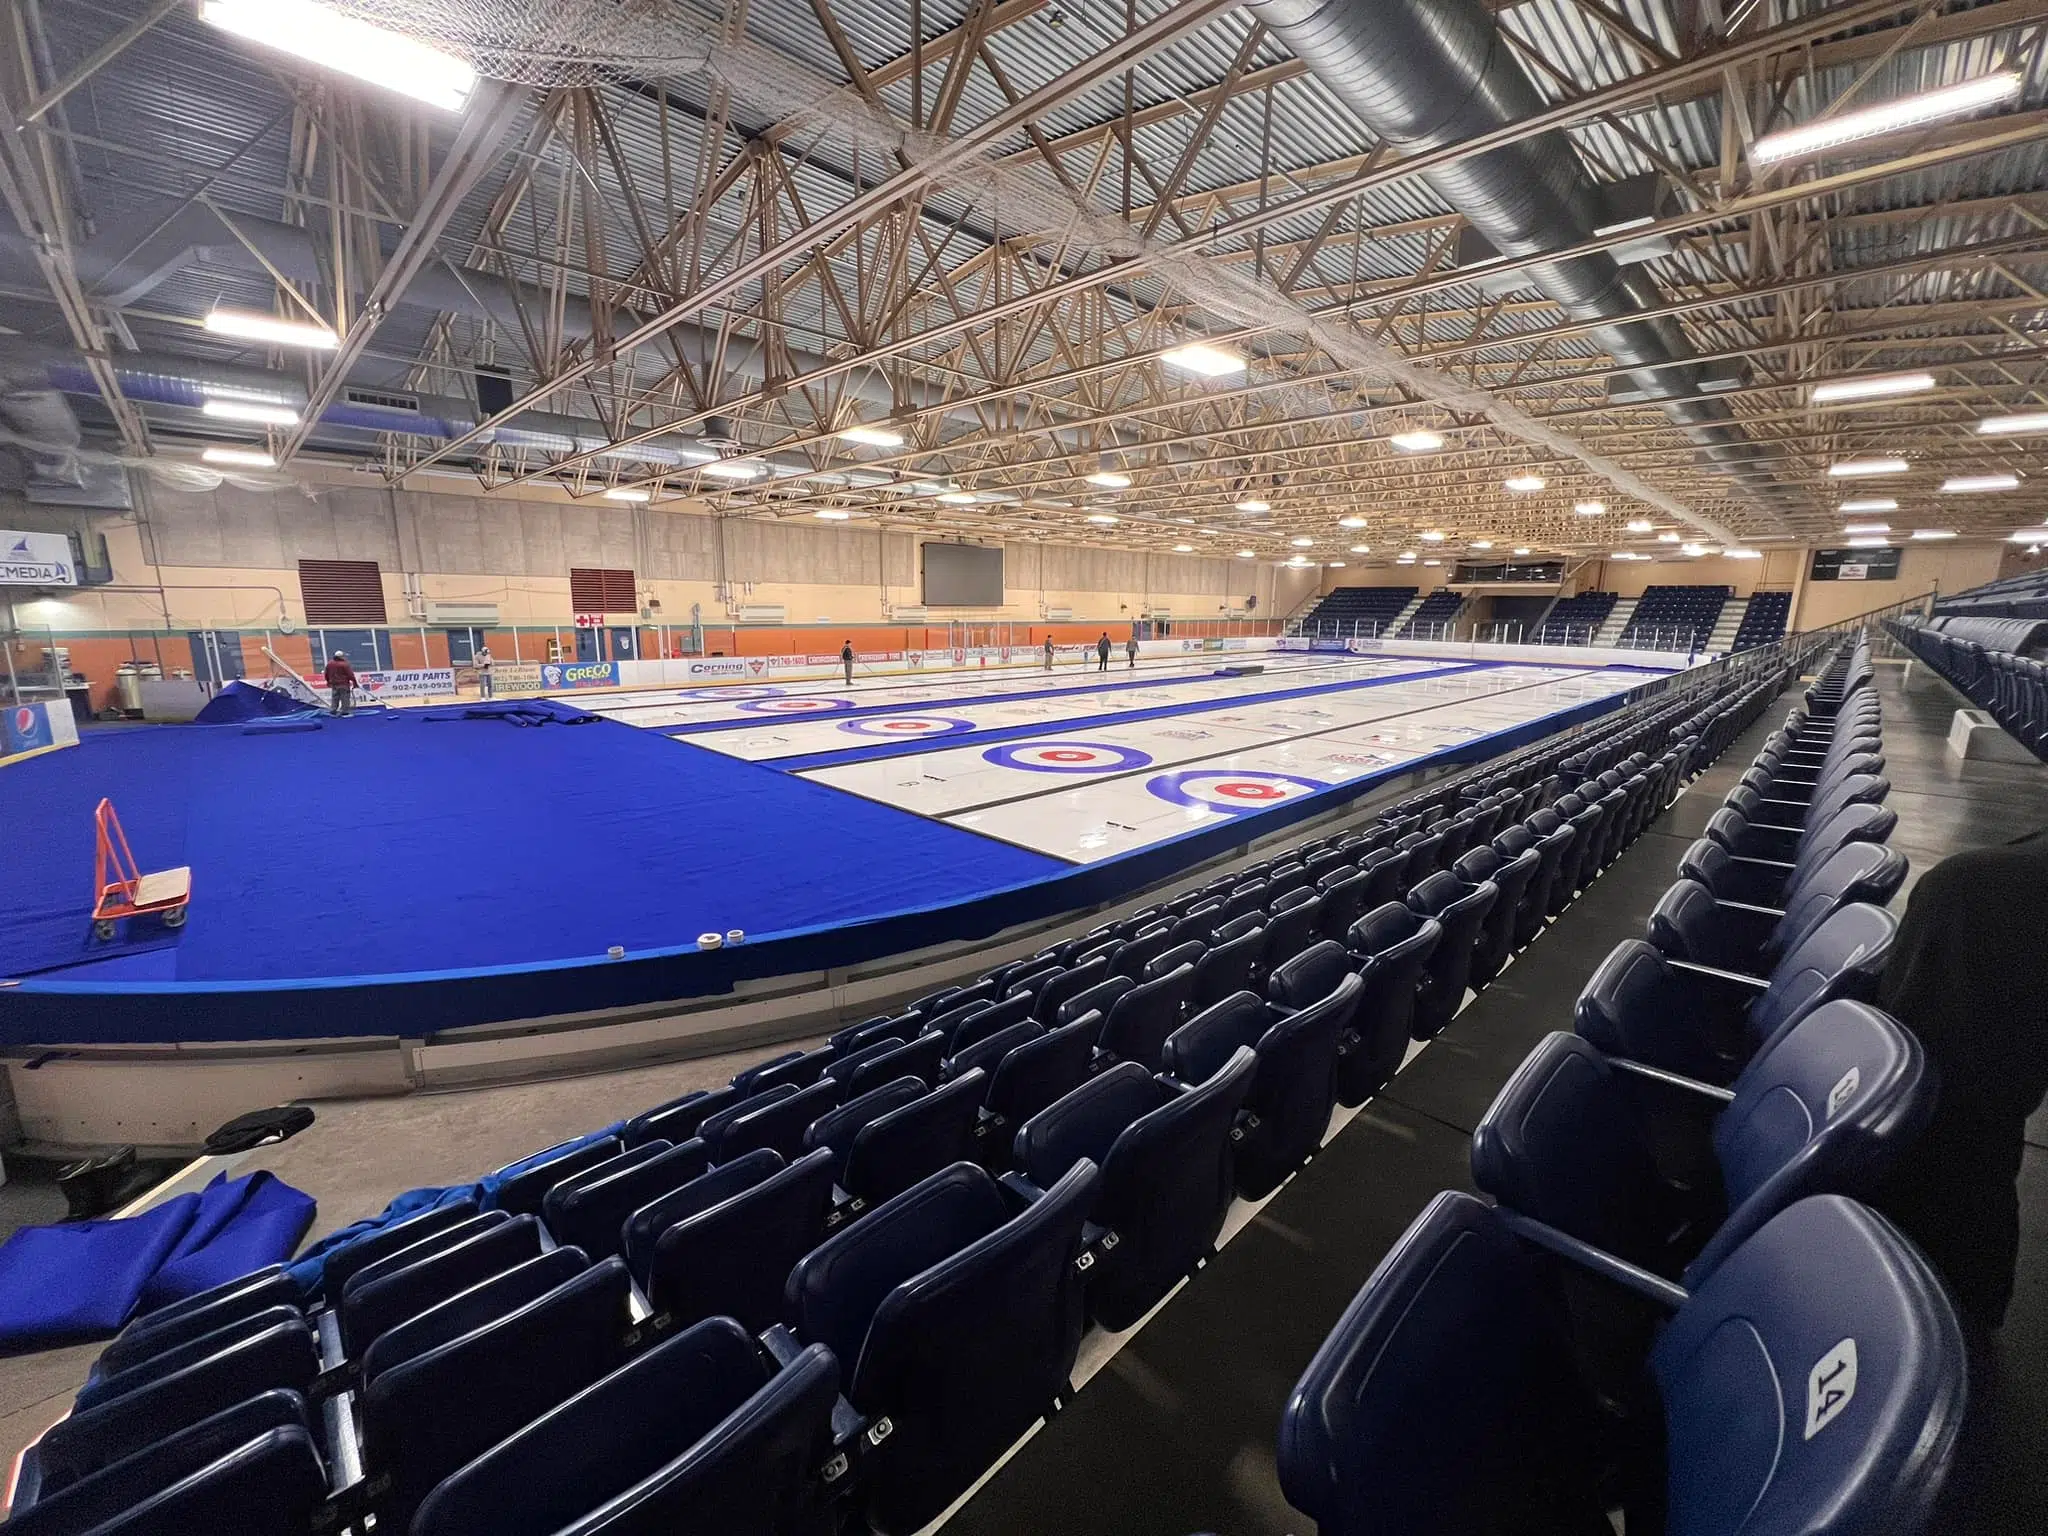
(124, 891)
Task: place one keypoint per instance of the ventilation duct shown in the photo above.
(1427, 74)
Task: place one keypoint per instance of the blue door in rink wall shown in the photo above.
(625, 645)
(589, 645)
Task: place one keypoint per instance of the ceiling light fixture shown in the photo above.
(1418, 441)
(1110, 479)
(1523, 549)
(1964, 485)
(2013, 426)
(1247, 554)
(325, 37)
(1254, 504)
(1361, 549)
(1639, 525)
(1887, 117)
(1934, 533)
(873, 437)
(1433, 536)
(1867, 528)
(627, 493)
(239, 458)
(1668, 537)
(1524, 484)
(1868, 504)
(1432, 562)
(1869, 543)
(250, 411)
(1350, 522)
(246, 325)
(1102, 519)
(1590, 508)
(1335, 565)
(1856, 469)
(733, 469)
(1743, 554)
(1207, 361)
(1183, 549)
(1693, 550)
(1846, 391)
(1302, 543)
(832, 514)
(1482, 544)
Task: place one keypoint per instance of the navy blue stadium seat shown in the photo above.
(730, 1259)
(836, 1129)
(799, 1069)
(1691, 923)
(963, 1320)
(986, 1053)
(1391, 946)
(1076, 978)
(375, 1301)
(635, 1451)
(779, 1124)
(1825, 1409)
(499, 1296)
(1854, 871)
(988, 1019)
(1137, 1024)
(345, 1262)
(644, 1227)
(1100, 998)
(1168, 1174)
(502, 1376)
(1511, 878)
(273, 1485)
(1031, 1077)
(146, 1471)
(523, 1193)
(1706, 1024)
(1292, 924)
(1139, 952)
(1344, 892)
(912, 1141)
(922, 1058)
(104, 1386)
(1460, 908)
(591, 1212)
(282, 1357)
(678, 1120)
(1386, 873)
(193, 1316)
(1827, 1107)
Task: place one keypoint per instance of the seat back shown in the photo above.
(1200, 1048)
(1076, 978)
(1036, 1073)
(989, 1019)
(1853, 872)
(1344, 891)
(958, 1390)
(1136, 1027)
(282, 1357)
(346, 1262)
(1100, 998)
(271, 1486)
(189, 1318)
(677, 1120)
(503, 1375)
(836, 1130)
(984, 1054)
(1296, 1088)
(915, 1140)
(103, 1386)
(499, 1296)
(922, 1058)
(1086, 1122)
(1310, 975)
(1396, 944)
(1386, 874)
(644, 1227)
(731, 1259)
(798, 1068)
(1227, 967)
(1827, 1107)
(1824, 1408)
(523, 1187)
(1455, 1300)
(779, 1124)
(591, 1214)
(1843, 957)
(1132, 959)
(1291, 930)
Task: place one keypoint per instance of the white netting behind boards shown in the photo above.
(546, 42)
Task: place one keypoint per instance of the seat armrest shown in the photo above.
(1729, 980)
(1653, 1288)
(1022, 1192)
(1675, 1080)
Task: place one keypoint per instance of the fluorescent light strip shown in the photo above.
(326, 38)
(1869, 543)
(239, 458)
(1856, 469)
(1934, 533)
(245, 325)
(627, 493)
(1887, 117)
(1591, 509)
(1965, 485)
(1109, 479)
(731, 469)
(832, 514)
(2013, 426)
(1419, 441)
(1207, 361)
(1254, 504)
(873, 437)
(250, 411)
(1868, 504)
(1844, 391)
(1524, 484)
(1867, 528)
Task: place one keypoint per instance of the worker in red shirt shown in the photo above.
(341, 680)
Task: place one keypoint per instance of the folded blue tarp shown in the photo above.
(239, 701)
(84, 1280)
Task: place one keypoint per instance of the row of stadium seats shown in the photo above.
(1676, 1309)
(1983, 657)
(845, 1283)
(1575, 620)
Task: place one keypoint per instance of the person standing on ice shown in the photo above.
(341, 683)
(1102, 653)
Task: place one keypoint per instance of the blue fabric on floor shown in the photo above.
(63, 1285)
(248, 1224)
(239, 701)
(398, 844)
(311, 1269)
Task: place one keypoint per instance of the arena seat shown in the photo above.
(273, 1485)
(1100, 998)
(1826, 1108)
(679, 1120)
(1706, 1024)
(1138, 952)
(1076, 978)
(730, 1259)
(1344, 891)
(643, 1229)
(424, 1419)
(800, 1069)
(1765, 880)
(104, 1386)
(1510, 877)
(1167, 1174)
(1292, 924)
(909, 1292)
(584, 1464)
(85, 1505)
(780, 1122)
(591, 1212)
(155, 1332)
(345, 1262)
(923, 1058)
(1225, 968)
(1137, 1024)
(522, 1192)
(987, 1019)
(1753, 1378)
(1459, 909)
(1391, 945)
(282, 1357)
(911, 1141)
(1289, 1106)
(712, 1130)
(987, 1053)
(485, 1302)
(836, 1128)
(1031, 1077)
(375, 1301)
(1691, 923)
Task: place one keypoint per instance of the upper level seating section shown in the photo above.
(1674, 618)
(1764, 619)
(2019, 637)
(1358, 610)
(701, 1316)
(1575, 620)
(2012, 686)
(1727, 1269)
(1432, 620)
(2023, 595)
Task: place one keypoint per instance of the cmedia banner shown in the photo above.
(36, 560)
